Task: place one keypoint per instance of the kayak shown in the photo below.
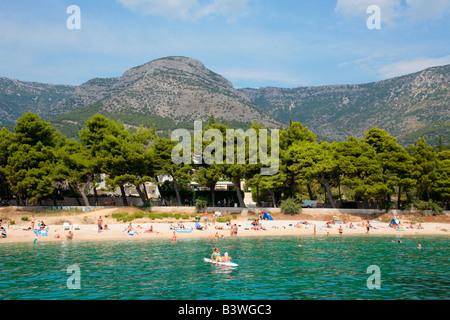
(230, 264)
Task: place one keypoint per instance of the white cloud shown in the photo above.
(188, 9)
(261, 76)
(404, 67)
(228, 8)
(428, 9)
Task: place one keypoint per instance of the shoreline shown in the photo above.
(162, 230)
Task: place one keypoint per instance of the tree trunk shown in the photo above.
(399, 197)
(366, 203)
(124, 196)
(76, 195)
(83, 195)
(177, 191)
(159, 187)
(145, 192)
(82, 188)
(257, 196)
(141, 193)
(54, 197)
(292, 187)
(272, 195)
(339, 188)
(237, 186)
(309, 191)
(326, 184)
(96, 196)
(213, 194)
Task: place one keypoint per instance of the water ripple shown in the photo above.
(269, 268)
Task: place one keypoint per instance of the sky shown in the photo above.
(252, 43)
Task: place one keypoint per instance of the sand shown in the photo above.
(281, 225)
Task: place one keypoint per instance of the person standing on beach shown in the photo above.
(340, 230)
(33, 220)
(174, 237)
(100, 223)
(205, 219)
(368, 226)
(314, 229)
(233, 230)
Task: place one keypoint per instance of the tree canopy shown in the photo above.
(35, 158)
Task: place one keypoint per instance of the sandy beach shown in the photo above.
(298, 225)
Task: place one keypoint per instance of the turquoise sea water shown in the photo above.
(269, 268)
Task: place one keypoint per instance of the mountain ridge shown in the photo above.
(182, 89)
(405, 106)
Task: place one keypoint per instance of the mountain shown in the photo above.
(407, 107)
(174, 91)
(184, 90)
(171, 91)
(49, 100)
(18, 97)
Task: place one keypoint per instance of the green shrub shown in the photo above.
(223, 219)
(120, 216)
(185, 216)
(127, 219)
(428, 205)
(177, 216)
(138, 215)
(24, 218)
(200, 204)
(291, 206)
(146, 204)
(234, 216)
(386, 205)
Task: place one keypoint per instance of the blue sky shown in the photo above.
(253, 43)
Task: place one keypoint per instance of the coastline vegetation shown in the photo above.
(37, 162)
